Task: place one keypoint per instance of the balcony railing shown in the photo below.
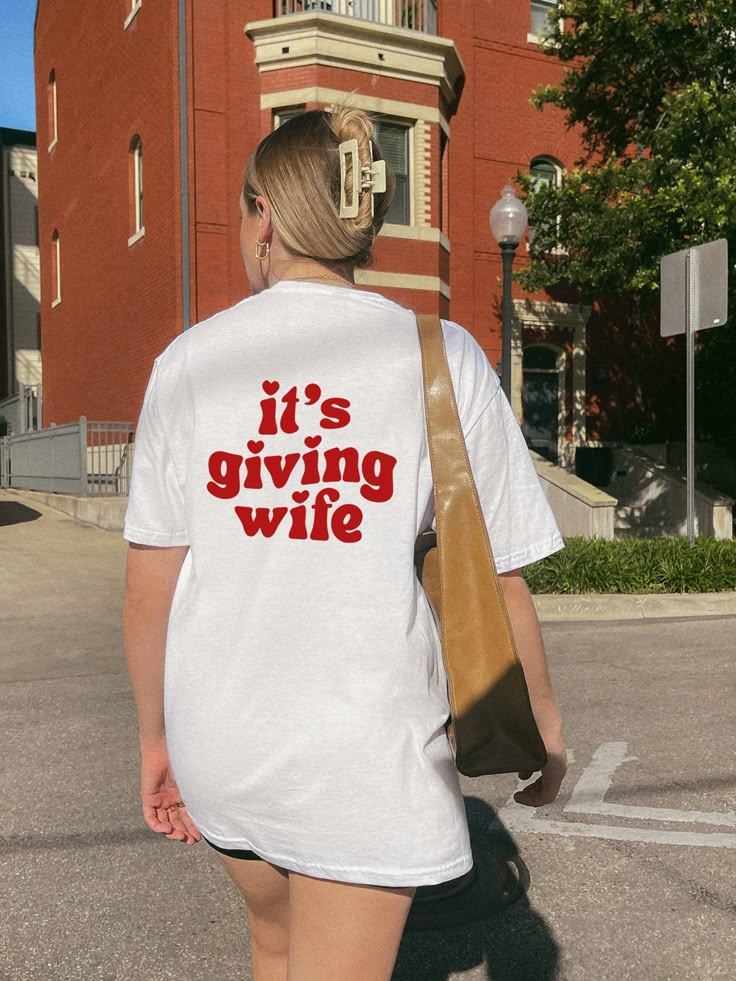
(416, 15)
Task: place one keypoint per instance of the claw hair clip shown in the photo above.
(373, 178)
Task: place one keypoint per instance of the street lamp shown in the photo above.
(508, 221)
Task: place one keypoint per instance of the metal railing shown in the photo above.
(84, 458)
(22, 412)
(414, 15)
(109, 457)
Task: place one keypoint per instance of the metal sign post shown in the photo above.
(694, 296)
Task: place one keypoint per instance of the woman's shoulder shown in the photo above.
(177, 352)
(469, 364)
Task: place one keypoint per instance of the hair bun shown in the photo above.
(297, 169)
(350, 123)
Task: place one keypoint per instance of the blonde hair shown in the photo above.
(297, 169)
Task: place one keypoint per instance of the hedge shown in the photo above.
(636, 565)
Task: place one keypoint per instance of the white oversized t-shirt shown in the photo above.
(284, 441)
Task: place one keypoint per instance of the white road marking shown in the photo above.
(588, 796)
(517, 818)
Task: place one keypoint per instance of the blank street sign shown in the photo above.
(708, 288)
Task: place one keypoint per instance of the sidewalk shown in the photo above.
(109, 513)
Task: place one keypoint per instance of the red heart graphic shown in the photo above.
(312, 441)
(300, 496)
(270, 388)
(255, 445)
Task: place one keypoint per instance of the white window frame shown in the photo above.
(533, 38)
(281, 115)
(409, 126)
(559, 172)
(135, 6)
(55, 117)
(139, 230)
(56, 286)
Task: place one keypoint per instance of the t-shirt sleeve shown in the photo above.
(155, 514)
(521, 526)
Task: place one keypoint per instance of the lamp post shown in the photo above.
(508, 221)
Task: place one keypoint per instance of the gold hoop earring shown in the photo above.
(261, 255)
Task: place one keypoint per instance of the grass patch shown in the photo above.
(636, 565)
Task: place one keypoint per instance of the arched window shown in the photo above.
(55, 268)
(135, 183)
(51, 109)
(545, 172)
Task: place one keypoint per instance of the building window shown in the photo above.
(544, 172)
(541, 25)
(393, 138)
(282, 116)
(135, 183)
(133, 6)
(52, 112)
(55, 269)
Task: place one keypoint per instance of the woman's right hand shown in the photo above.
(159, 794)
(546, 787)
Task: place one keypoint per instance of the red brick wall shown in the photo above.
(494, 134)
(119, 305)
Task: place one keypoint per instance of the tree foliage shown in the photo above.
(651, 89)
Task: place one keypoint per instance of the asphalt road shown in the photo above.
(632, 870)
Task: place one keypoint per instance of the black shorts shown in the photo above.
(241, 853)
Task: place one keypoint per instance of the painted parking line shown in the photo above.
(588, 797)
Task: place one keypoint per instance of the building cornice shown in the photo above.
(327, 97)
(318, 38)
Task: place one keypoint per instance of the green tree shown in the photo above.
(651, 88)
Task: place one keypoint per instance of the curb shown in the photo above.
(109, 513)
(553, 607)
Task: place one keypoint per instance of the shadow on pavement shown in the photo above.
(15, 513)
(486, 923)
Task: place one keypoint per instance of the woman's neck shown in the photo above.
(309, 270)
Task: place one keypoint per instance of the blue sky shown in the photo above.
(17, 99)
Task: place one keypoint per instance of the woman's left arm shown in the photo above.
(151, 577)
(530, 647)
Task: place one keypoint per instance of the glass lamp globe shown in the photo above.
(508, 217)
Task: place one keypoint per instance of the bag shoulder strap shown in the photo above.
(473, 610)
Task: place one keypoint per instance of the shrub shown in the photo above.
(636, 565)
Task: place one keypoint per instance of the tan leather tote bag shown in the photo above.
(491, 727)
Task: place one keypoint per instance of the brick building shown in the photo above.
(147, 113)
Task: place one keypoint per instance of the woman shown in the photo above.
(281, 477)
